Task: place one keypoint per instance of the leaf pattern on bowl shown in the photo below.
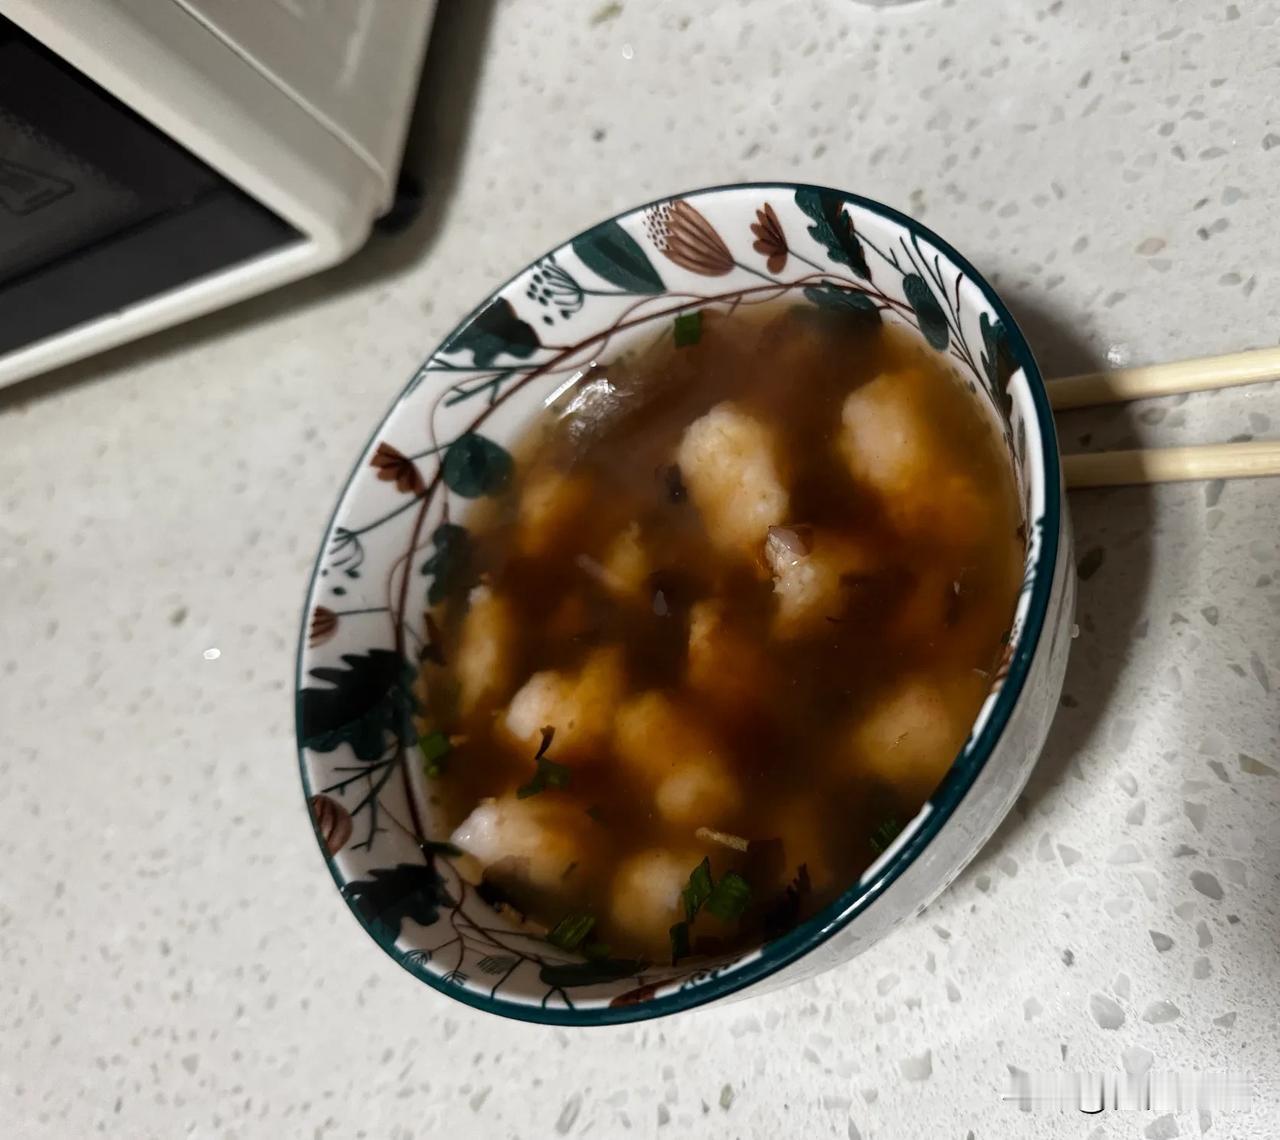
(389, 897)
(324, 624)
(360, 705)
(688, 239)
(393, 467)
(614, 255)
(930, 318)
(494, 331)
(449, 565)
(771, 242)
(474, 466)
(833, 228)
(846, 301)
(333, 822)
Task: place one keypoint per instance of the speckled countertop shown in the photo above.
(174, 960)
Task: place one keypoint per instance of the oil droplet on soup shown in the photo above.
(724, 633)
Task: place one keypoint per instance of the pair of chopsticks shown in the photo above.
(1168, 464)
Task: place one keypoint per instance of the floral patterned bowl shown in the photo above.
(398, 543)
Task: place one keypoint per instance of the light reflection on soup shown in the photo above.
(725, 633)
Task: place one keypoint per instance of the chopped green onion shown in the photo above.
(688, 329)
(698, 889)
(569, 932)
(885, 834)
(730, 896)
(434, 747)
(546, 773)
(784, 912)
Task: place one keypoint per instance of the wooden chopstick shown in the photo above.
(1201, 375)
(1168, 464)
(1171, 464)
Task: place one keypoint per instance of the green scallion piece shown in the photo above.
(730, 897)
(688, 329)
(435, 747)
(697, 890)
(570, 931)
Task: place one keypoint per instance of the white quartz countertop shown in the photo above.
(174, 959)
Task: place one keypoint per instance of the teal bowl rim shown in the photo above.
(960, 778)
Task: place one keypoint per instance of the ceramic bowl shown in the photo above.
(399, 534)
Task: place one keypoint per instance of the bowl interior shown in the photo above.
(400, 528)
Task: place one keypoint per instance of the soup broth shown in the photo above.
(725, 632)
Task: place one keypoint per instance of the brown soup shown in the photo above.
(728, 629)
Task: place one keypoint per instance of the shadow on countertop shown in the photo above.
(1226, 889)
(1112, 529)
(451, 74)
